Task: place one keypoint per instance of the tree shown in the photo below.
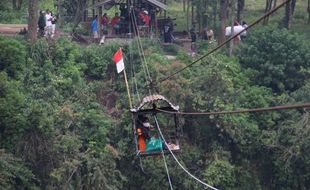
(75, 8)
(240, 8)
(308, 9)
(268, 7)
(223, 17)
(289, 11)
(14, 174)
(32, 20)
(233, 20)
(17, 4)
(280, 59)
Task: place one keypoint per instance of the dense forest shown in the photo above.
(65, 121)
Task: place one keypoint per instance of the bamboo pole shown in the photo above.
(127, 86)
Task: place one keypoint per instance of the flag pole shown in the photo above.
(127, 86)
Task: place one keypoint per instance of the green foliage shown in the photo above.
(97, 59)
(13, 119)
(12, 56)
(220, 173)
(171, 49)
(66, 118)
(280, 60)
(14, 174)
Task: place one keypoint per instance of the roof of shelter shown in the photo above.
(149, 100)
(111, 2)
(158, 4)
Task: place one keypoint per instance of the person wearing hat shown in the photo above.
(144, 15)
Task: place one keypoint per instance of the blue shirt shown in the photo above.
(94, 25)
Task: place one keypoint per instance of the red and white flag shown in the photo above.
(118, 59)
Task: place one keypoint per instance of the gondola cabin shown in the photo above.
(149, 121)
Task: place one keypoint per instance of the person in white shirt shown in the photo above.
(48, 20)
(54, 19)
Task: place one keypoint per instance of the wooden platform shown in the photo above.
(156, 153)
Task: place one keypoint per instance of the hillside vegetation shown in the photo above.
(65, 121)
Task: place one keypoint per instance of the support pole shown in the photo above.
(127, 86)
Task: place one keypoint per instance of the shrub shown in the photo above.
(12, 56)
(97, 59)
(281, 59)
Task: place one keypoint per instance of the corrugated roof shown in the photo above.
(101, 3)
(154, 2)
(158, 4)
(152, 99)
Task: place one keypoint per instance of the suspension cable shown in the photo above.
(175, 158)
(265, 109)
(139, 43)
(139, 50)
(133, 71)
(226, 41)
(167, 171)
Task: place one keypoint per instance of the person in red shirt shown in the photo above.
(144, 15)
(105, 22)
(115, 24)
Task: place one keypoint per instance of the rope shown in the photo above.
(140, 44)
(266, 109)
(133, 71)
(134, 20)
(228, 40)
(141, 52)
(168, 176)
(175, 158)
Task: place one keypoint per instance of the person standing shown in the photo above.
(41, 23)
(94, 28)
(105, 22)
(48, 27)
(115, 23)
(193, 35)
(54, 19)
(243, 34)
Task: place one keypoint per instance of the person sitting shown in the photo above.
(143, 131)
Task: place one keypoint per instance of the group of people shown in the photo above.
(114, 26)
(47, 23)
(120, 23)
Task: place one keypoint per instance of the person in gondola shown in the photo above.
(143, 131)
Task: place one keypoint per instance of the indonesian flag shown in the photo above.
(118, 59)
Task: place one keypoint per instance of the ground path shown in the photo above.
(12, 29)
